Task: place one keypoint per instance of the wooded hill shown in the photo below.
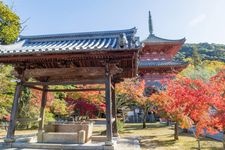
(207, 51)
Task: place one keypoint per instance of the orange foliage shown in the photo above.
(135, 89)
(218, 83)
(37, 96)
(188, 102)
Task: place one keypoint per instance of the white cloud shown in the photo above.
(197, 20)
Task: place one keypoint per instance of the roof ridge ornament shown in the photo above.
(150, 24)
(123, 43)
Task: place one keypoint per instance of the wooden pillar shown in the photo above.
(42, 110)
(13, 116)
(114, 111)
(108, 97)
(42, 114)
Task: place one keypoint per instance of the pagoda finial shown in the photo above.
(150, 24)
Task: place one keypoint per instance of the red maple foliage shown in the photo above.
(37, 96)
(84, 107)
(218, 84)
(188, 102)
(89, 103)
(135, 89)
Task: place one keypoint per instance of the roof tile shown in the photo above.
(105, 40)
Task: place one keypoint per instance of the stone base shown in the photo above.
(98, 138)
(40, 136)
(111, 143)
(9, 140)
(86, 146)
(60, 137)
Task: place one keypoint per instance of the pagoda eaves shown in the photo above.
(156, 58)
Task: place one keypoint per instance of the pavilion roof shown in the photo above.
(160, 63)
(71, 42)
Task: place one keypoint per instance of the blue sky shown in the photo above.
(196, 20)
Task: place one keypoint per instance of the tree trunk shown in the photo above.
(167, 122)
(144, 118)
(176, 131)
(185, 130)
(224, 139)
(199, 146)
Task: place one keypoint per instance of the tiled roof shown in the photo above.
(77, 42)
(144, 64)
(152, 39)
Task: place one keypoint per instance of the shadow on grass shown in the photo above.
(126, 131)
(207, 148)
(138, 126)
(147, 137)
(201, 138)
(149, 143)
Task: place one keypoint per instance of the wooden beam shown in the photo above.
(34, 87)
(65, 82)
(72, 78)
(76, 90)
(79, 71)
(69, 55)
(69, 72)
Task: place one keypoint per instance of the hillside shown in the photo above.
(207, 51)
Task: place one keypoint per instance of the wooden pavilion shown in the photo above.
(105, 57)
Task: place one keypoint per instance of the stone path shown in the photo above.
(130, 143)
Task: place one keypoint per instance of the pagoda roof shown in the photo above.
(152, 40)
(71, 42)
(149, 64)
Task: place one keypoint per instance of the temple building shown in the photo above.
(156, 58)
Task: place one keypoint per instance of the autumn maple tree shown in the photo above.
(89, 104)
(218, 106)
(187, 102)
(136, 90)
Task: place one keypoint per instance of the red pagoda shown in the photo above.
(156, 59)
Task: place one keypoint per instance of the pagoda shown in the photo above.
(156, 61)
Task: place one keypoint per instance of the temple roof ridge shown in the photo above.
(76, 42)
(80, 35)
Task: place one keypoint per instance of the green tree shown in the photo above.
(6, 90)
(27, 111)
(9, 25)
(59, 108)
(197, 61)
(203, 72)
(9, 31)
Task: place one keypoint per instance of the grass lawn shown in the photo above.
(160, 137)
